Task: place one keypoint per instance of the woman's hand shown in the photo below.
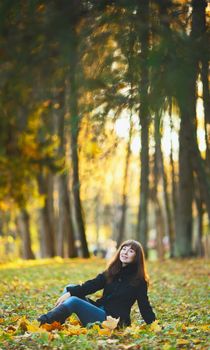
(63, 298)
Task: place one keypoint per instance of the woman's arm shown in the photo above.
(144, 304)
(89, 287)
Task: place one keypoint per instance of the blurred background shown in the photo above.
(104, 127)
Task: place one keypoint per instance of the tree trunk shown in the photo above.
(159, 229)
(174, 187)
(198, 30)
(50, 207)
(24, 228)
(122, 224)
(170, 229)
(65, 225)
(76, 13)
(190, 158)
(204, 77)
(75, 125)
(199, 244)
(46, 235)
(183, 243)
(142, 225)
(157, 173)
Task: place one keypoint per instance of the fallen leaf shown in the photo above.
(110, 322)
(182, 341)
(11, 329)
(75, 330)
(205, 327)
(196, 341)
(74, 320)
(184, 328)
(105, 331)
(155, 327)
(52, 326)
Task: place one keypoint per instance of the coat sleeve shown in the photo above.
(144, 305)
(89, 287)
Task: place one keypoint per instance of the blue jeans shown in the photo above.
(86, 312)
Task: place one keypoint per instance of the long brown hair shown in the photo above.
(115, 264)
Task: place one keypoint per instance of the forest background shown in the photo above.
(104, 128)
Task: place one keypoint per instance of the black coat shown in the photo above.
(118, 295)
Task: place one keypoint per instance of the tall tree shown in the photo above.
(75, 17)
(190, 158)
(144, 119)
(23, 222)
(122, 223)
(65, 233)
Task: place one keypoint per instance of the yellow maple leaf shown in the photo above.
(196, 341)
(155, 327)
(182, 341)
(105, 331)
(166, 346)
(110, 322)
(75, 330)
(74, 320)
(22, 324)
(205, 327)
(95, 327)
(184, 328)
(33, 327)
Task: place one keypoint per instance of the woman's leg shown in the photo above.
(86, 312)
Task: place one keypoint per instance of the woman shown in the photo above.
(123, 282)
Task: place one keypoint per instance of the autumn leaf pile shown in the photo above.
(178, 293)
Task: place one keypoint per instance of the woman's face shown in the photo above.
(127, 255)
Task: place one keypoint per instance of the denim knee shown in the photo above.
(74, 299)
(72, 302)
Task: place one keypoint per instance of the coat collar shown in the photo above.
(128, 270)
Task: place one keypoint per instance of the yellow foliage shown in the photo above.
(205, 327)
(32, 327)
(166, 346)
(155, 327)
(56, 106)
(96, 328)
(74, 320)
(184, 328)
(52, 326)
(75, 330)
(105, 331)
(196, 341)
(182, 342)
(4, 206)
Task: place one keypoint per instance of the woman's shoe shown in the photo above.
(59, 314)
(43, 319)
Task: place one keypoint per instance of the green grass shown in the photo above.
(178, 293)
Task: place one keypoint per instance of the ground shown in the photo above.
(178, 294)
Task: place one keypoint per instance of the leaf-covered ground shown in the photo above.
(178, 293)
